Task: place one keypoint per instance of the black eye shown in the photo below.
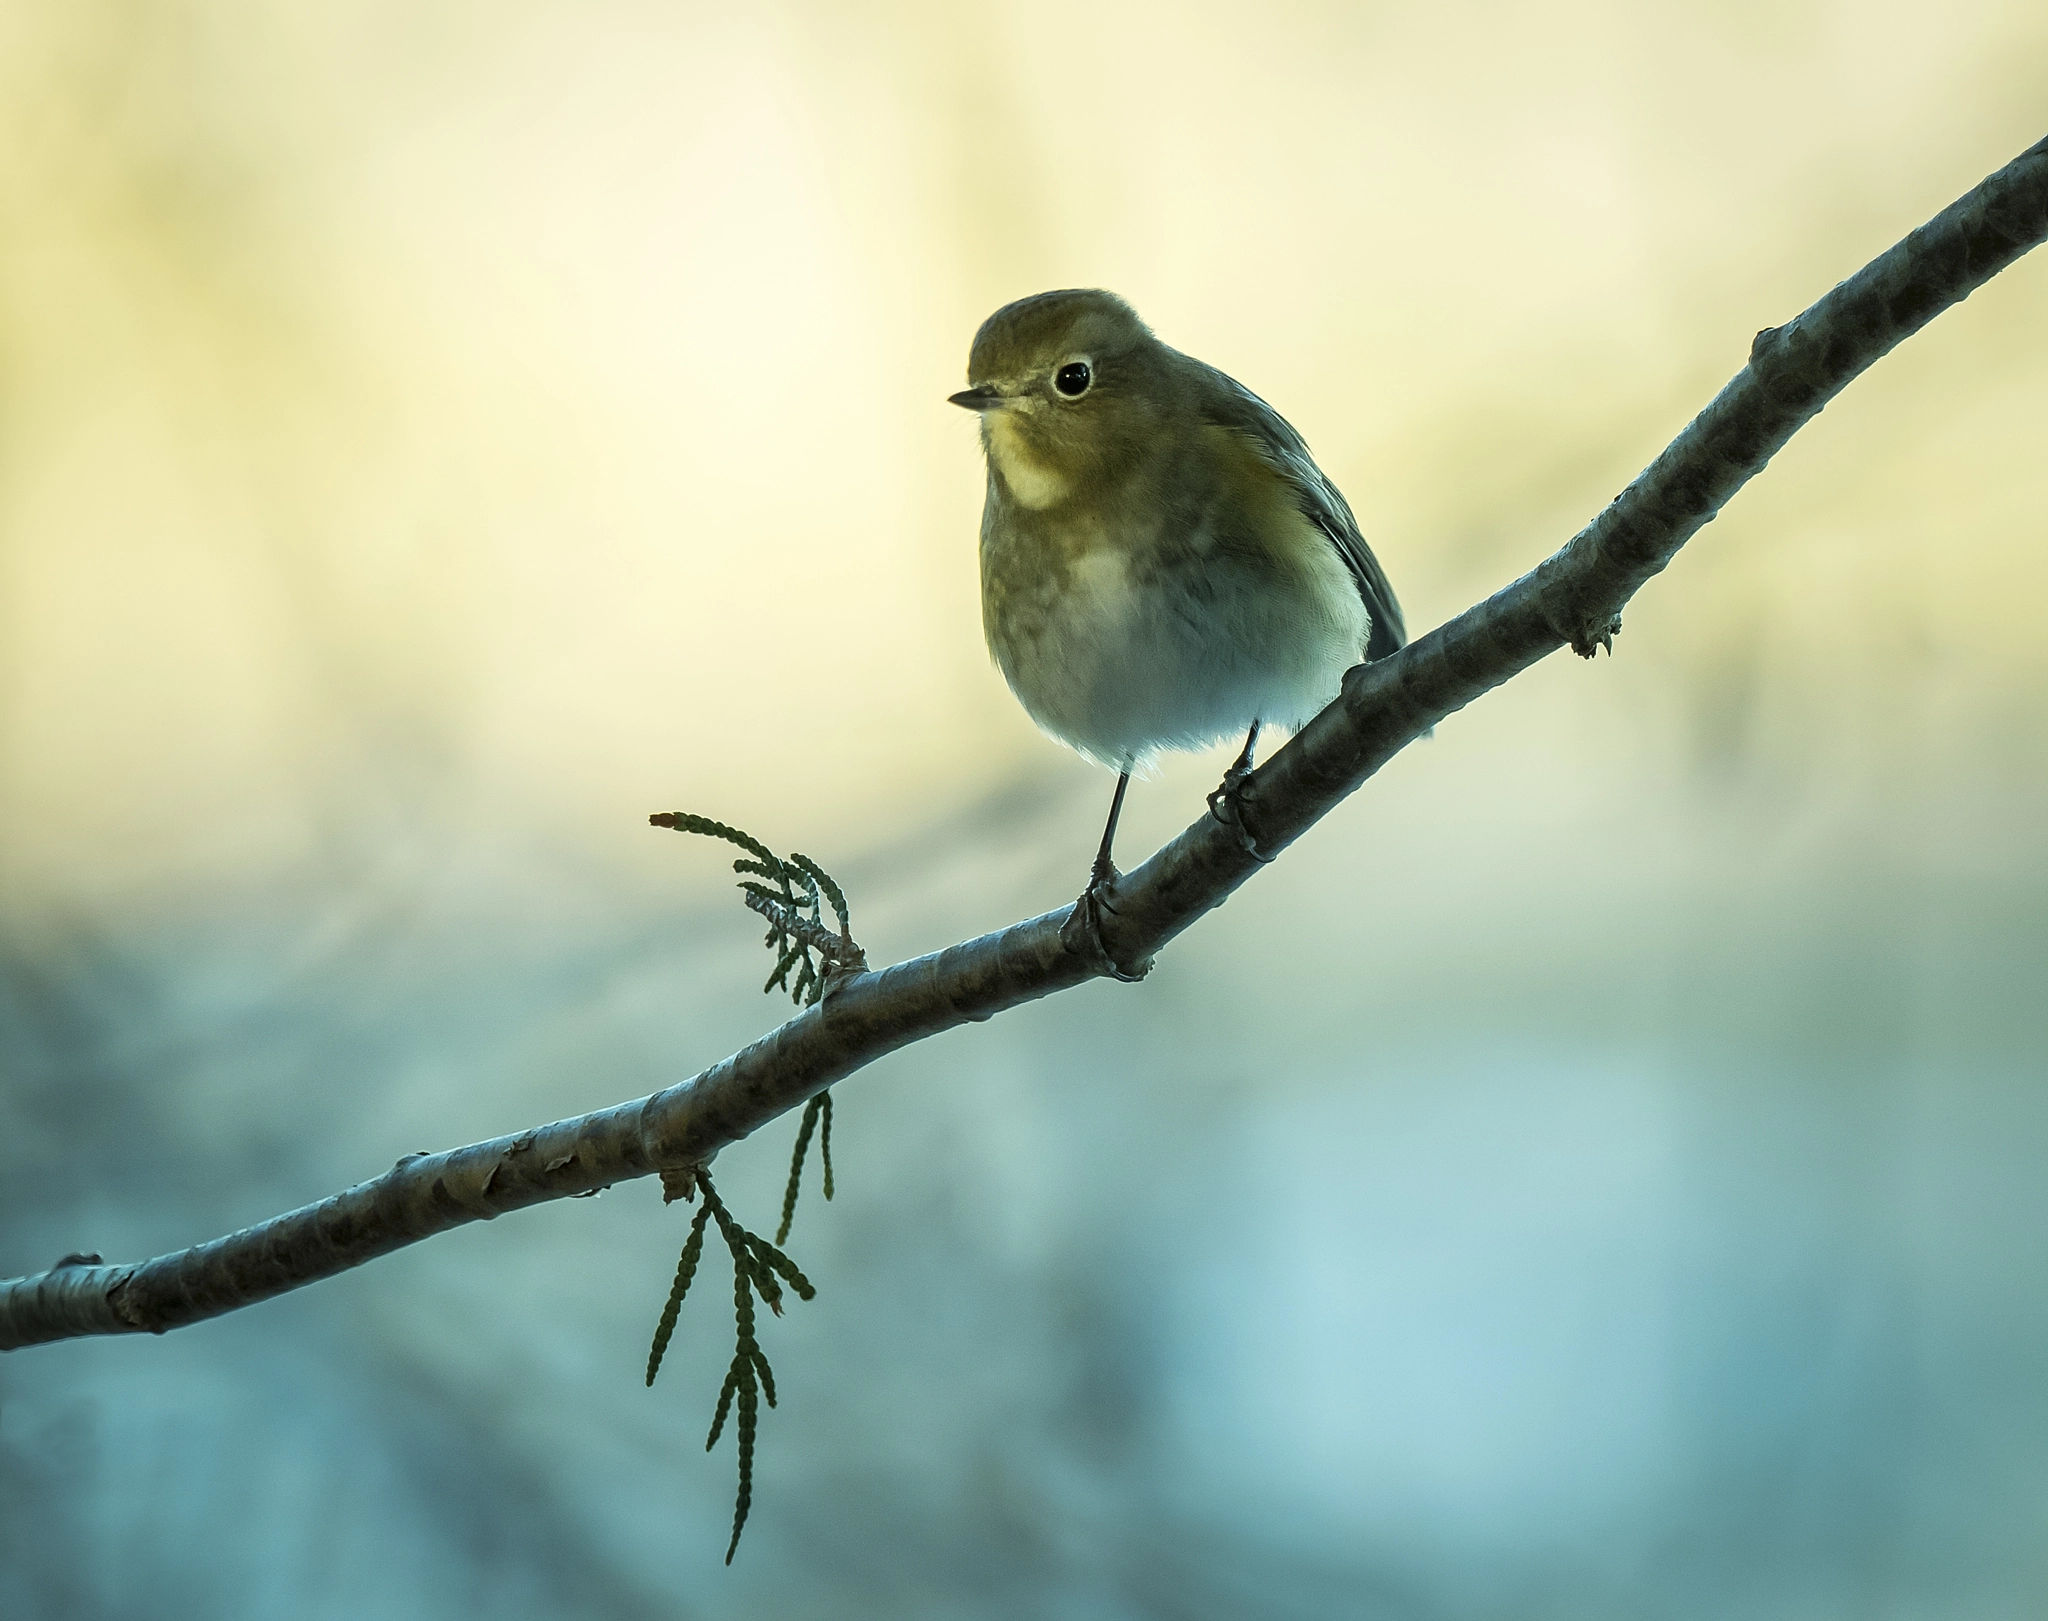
(1073, 379)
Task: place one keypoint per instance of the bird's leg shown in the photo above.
(1082, 931)
(1227, 803)
(1241, 767)
(1104, 870)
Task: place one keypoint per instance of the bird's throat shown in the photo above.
(1031, 481)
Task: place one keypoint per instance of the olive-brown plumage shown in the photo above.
(1162, 562)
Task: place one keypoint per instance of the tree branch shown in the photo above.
(1572, 599)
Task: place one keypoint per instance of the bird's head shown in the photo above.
(1066, 383)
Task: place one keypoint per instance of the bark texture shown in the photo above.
(1573, 598)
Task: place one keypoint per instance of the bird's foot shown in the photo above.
(1229, 803)
(1082, 932)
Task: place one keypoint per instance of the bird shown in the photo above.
(1163, 564)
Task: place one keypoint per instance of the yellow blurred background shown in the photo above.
(434, 436)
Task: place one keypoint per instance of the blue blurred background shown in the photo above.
(1598, 1172)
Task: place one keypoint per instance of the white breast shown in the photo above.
(1126, 662)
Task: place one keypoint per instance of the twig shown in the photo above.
(836, 949)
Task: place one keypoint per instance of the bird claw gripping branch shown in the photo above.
(1228, 805)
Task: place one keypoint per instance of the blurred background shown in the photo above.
(1597, 1173)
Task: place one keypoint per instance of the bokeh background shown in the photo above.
(1599, 1172)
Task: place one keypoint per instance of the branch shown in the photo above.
(1572, 599)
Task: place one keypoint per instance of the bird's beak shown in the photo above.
(984, 398)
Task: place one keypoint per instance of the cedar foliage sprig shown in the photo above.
(817, 1114)
(803, 944)
(793, 900)
(758, 1268)
(791, 893)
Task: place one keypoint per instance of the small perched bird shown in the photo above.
(1162, 562)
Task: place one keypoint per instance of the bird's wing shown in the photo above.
(1230, 404)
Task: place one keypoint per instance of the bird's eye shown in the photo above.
(1073, 379)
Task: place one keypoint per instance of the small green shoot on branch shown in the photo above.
(791, 893)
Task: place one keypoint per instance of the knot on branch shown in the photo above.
(1589, 638)
(679, 1182)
